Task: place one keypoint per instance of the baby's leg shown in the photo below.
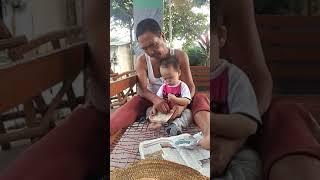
(184, 120)
(175, 128)
(245, 165)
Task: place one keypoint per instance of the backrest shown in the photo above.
(201, 79)
(291, 46)
(70, 35)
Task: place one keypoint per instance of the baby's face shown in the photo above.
(170, 75)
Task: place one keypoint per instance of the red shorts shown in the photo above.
(137, 106)
(286, 131)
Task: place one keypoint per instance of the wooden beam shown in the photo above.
(22, 134)
(29, 77)
(12, 42)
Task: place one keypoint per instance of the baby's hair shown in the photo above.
(165, 63)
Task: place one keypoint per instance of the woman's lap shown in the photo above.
(286, 131)
(74, 150)
(200, 102)
(128, 113)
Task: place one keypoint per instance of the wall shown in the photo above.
(123, 56)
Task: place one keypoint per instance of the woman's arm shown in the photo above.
(245, 48)
(182, 101)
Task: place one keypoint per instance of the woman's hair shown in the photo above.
(148, 25)
(217, 19)
(171, 61)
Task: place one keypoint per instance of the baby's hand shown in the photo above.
(154, 126)
(153, 111)
(171, 97)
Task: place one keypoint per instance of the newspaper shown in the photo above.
(181, 149)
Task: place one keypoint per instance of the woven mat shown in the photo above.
(126, 151)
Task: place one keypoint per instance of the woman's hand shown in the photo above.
(177, 110)
(162, 106)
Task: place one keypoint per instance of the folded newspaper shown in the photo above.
(182, 149)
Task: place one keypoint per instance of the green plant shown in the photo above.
(197, 55)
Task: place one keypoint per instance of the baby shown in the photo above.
(174, 91)
(234, 116)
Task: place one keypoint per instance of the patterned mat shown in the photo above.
(126, 150)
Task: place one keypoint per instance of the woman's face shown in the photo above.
(153, 45)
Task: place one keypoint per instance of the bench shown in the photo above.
(26, 78)
(201, 77)
(291, 46)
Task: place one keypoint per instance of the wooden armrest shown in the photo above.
(119, 85)
(28, 78)
(116, 76)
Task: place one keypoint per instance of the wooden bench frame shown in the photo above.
(291, 46)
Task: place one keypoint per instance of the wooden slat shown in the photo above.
(297, 71)
(21, 134)
(288, 21)
(291, 46)
(30, 77)
(12, 42)
(200, 75)
(289, 55)
(52, 36)
(21, 114)
(116, 76)
(286, 38)
(120, 85)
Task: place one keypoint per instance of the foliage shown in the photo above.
(186, 24)
(197, 55)
(122, 12)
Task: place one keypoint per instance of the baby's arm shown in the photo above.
(177, 100)
(185, 98)
(234, 126)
